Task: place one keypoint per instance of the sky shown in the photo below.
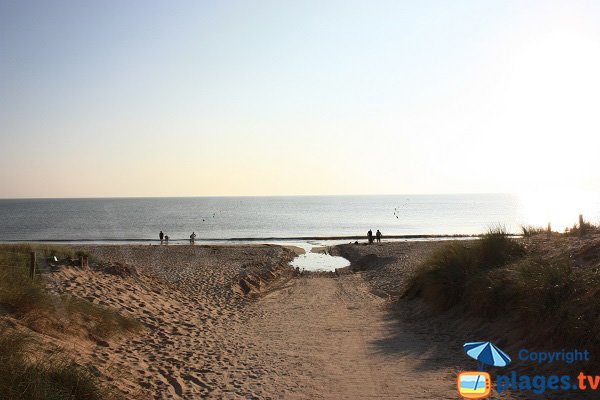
(203, 98)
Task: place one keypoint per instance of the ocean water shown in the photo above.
(274, 218)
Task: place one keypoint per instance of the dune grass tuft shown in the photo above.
(47, 313)
(442, 280)
(25, 374)
(541, 298)
(531, 230)
(583, 229)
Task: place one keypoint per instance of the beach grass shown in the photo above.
(24, 373)
(545, 299)
(583, 228)
(532, 230)
(443, 279)
(49, 313)
(27, 375)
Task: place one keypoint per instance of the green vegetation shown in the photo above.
(534, 296)
(25, 374)
(18, 255)
(47, 313)
(442, 281)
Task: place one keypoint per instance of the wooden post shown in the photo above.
(81, 261)
(32, 265)
(581, 225)
(549, 228)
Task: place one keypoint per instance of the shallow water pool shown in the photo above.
(310, 261)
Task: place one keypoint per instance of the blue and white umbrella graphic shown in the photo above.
(487, 353)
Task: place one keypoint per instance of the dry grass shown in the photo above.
(50, 314)
(53, 376)
(530, 230)
(443, 279)
(24, 375)
(544, 299)
(583, 229)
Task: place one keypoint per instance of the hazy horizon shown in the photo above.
(283, 217)
(182, 98)
(264, 195)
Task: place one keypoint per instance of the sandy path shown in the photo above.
(317, 337)
(335, 333)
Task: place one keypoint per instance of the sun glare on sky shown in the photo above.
(560, 208)
(192, 98)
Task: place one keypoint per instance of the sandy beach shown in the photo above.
(299, 200)
(237, 322)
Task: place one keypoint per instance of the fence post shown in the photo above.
(32, 265)
(580, 220)
(549, 228)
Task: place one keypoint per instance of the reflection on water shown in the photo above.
(275, 218)
(311, 261)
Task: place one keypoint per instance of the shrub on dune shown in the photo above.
(546, 299)
(497, 248)
(443, 279)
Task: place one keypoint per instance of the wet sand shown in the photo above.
(312, 336)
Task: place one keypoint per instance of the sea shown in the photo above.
(283, 218)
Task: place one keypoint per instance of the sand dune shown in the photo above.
(309, 336)
(195, 343)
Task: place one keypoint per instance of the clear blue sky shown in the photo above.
(169, 98)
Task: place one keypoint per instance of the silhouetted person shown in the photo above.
(378, 235)
(370, 236)
(193, 238)
(161, 236)
(166, 239)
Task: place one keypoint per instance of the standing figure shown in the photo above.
(378, 235)
(370, 236)
(166, 240)
(161, 236)
(193, 238)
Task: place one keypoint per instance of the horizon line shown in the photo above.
(259, 196)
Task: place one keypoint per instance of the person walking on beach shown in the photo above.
(370, 236)
(166, 240)
(161, 236)
(193, 238)
(378, 235)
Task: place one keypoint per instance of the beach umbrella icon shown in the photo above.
(486, 353)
